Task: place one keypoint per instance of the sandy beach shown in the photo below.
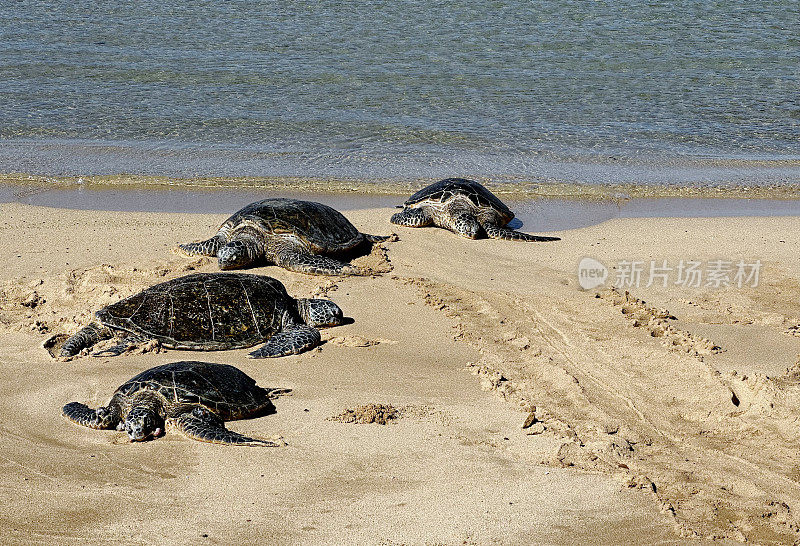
(665, 415)
(635, 382)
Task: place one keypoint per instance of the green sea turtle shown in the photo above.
(211, 312)
(196, 398)
(464, 207)
(296, 235)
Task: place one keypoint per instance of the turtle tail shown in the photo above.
(496, 232)
(81, 414)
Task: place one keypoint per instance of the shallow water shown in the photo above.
(535, 215)
(625, 91)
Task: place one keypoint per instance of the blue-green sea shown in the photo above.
(695, 92)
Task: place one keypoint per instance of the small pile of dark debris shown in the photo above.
(370, 413)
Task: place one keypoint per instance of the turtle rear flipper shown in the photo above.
(81, 414)
(303, 262)
(376, 238)
(120, 347)
(209, 247)
(85, 338)
(277, 393)
(291, 341)
(201, 424)
(496, 232)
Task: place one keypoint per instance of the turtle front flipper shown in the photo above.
(418, 217)
(85, 338)
(290, 341)
(466, 225)
(203, 425)
(81, 414)
(209, 247)
(303, 262)
(496, 232)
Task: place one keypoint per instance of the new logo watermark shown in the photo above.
(716, 273)
(591, 273)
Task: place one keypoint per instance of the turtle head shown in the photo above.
(318, 313)
(143, 423)
(238, 253)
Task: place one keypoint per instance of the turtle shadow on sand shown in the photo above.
(54, 344)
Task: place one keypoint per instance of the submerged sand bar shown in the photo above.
(644, 425)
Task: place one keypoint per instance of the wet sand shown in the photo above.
(540, 208)
(647, 429)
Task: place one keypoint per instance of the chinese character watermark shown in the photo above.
(716, 273)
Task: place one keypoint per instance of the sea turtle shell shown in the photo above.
(444, 190)
(204, 311)
(323, 229)
(223, 389)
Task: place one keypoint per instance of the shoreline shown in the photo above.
(519, 188)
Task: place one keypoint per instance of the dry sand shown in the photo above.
(640, 428)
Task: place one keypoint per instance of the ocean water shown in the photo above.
(553, 90)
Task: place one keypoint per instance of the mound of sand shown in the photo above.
(380, 414)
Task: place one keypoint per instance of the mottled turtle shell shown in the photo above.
(322, 228)
(204, 311)
(225, 390)
(444, 190)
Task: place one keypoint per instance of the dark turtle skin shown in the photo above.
(212, 312)
(464, 207)
(300, 236)
(196, 398)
